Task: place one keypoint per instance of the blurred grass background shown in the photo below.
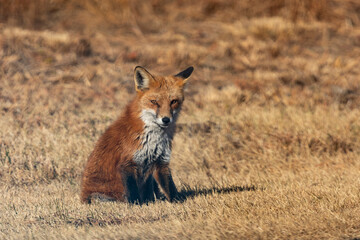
(111, 14)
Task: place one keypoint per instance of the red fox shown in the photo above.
(132, 157)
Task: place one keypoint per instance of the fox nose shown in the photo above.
(165, 120)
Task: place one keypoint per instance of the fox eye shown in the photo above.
(154, 102)
(174, 102)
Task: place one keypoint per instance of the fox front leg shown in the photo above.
(162, 175)
(146, 190)
(131, 189)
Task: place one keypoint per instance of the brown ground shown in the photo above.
(268, 143)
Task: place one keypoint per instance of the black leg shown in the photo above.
(147, 190)
(157, 191)
(132, 191)
(163, 177)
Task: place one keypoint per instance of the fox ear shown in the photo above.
(142, 78)
(185, 74)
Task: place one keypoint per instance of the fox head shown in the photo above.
(160, 97)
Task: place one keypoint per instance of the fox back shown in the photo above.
(131, 159)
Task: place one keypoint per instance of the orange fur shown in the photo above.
(111, 169)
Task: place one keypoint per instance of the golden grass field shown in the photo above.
(268, 142)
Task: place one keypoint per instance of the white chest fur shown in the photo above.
(156, 142)
(155, 147)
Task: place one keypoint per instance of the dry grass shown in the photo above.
(268, 143)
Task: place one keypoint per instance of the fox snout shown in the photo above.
(150, 117)
(164, 121)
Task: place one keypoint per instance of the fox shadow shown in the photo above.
(189, 193)
(185, 193)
